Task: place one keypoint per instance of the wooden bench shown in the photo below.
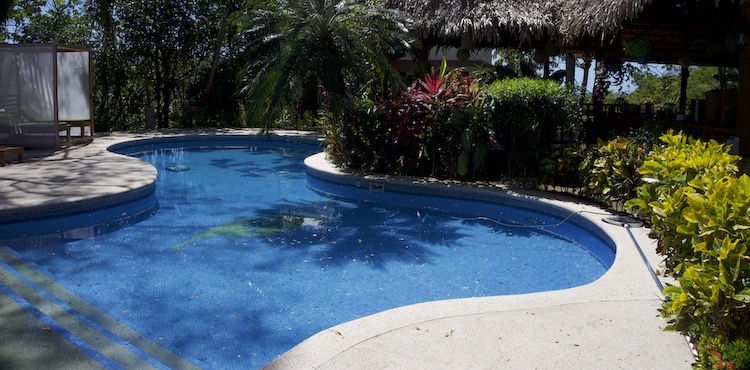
(5, 151)
(84, 132)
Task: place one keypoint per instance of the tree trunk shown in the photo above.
(158, 82)
(597, 129)
(585, 82)
(684, 76)
(743, 91)
(217, 49)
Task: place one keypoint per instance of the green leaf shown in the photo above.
(743, 295)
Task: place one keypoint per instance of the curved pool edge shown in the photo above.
(611, 322)
(73, 180)
(319, 167)
(88, 177)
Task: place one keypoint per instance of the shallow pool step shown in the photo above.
(95, 333)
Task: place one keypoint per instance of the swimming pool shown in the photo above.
(241, 260)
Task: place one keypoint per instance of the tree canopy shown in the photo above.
(154, 54)
(661, 85)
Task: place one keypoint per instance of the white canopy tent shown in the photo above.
(45, 95)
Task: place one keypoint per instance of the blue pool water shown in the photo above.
(244, 256)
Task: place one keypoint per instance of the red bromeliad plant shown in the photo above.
(435, 122)
(436, 128)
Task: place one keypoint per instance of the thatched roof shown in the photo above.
(497, 22)
(671, 28)
(599, 20)
(505, 22)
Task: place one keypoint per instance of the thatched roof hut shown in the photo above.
(518, 23)
(689, 32)
(487, 23)
(598, 20)
(672, 28)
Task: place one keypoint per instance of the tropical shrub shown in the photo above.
(700, 213)
(433, 129)
(367, 145)
(718, 353)
(610, 172)
(670, 174)
(714, 282)
(562, 167)
(526, 115)
(339, 45)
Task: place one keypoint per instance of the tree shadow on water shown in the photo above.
(338, 233)
(254, 169)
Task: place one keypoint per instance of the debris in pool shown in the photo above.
(258, 226)
(178, 168)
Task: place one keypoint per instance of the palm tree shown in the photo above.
(341, 43)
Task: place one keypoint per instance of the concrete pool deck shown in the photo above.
(610, 323)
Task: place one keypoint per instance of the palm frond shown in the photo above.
(342, 42)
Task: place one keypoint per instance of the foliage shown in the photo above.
(714, 290)
(562, 167)
(667, 174)
(700, 213)
(606, 171)
(610, 172)
(433, 129)
(513, 63)
(341, 43)
(144, 54)
(661, 85)
(48, 21)
(526, 115)
(718, 353)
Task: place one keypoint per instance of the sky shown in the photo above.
(626, 88)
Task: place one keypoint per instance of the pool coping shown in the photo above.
(610, 323)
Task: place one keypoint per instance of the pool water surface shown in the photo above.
(245, 256)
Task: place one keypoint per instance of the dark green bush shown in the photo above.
(526, 115)
(562, 167)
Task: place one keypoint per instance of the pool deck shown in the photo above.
(611, 323)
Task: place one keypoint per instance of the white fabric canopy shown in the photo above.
(42, 86)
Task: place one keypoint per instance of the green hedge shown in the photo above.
(526, 114)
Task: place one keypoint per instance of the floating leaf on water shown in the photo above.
(257, 226)
(178, 168)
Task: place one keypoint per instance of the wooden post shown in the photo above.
(598, 129)
(585, 82)
(570, 69)
(684, 76)
(743, 91)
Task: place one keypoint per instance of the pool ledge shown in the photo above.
(73, 180)
(87, 177)
(610, 323)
